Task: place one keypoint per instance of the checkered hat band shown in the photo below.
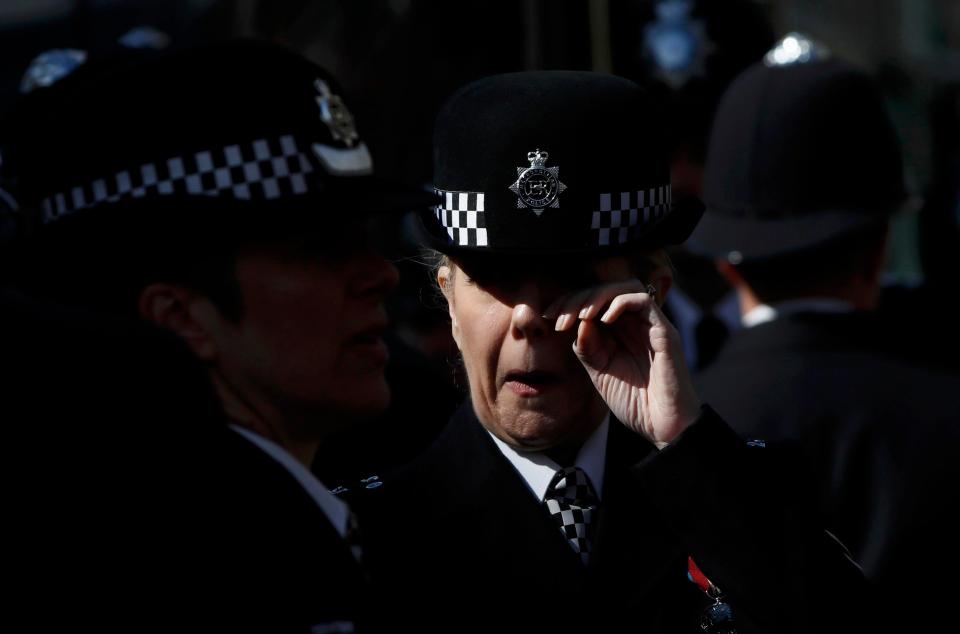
(622, 216)
(462, 215)
(264, 169)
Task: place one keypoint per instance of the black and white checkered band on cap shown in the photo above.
(623, 215)
(264, 169)
(462, 215)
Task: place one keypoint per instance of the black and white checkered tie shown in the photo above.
(572, 503)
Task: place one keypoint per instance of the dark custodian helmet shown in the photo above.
(802, 151)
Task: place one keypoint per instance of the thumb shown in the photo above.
(590, 346)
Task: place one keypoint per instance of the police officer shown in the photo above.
(222, 195)
(803, 176)
(583, 481)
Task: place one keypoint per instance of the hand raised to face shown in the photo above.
(633, 355)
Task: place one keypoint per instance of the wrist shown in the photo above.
(688, 417)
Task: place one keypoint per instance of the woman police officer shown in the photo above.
(583, 481)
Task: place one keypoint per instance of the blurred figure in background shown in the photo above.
(224, 195)
(939, 244)
(803, 175)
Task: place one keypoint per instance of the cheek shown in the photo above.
(480, 330)
(295, 338)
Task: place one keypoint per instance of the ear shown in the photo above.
(445, 280)
(190, 316)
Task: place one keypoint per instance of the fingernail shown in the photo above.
(583, 313)
(562, 322)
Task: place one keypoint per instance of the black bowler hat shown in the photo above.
(203, 138)
(553, 162)
(802, 151)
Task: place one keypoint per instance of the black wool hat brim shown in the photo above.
(720, 235)
(175, 220)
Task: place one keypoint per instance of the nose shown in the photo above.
(529, 304)
(375, 277)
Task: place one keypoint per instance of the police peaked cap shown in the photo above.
(553, 162)
(246, 128)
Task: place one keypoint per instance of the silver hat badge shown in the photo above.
(796, 48)
(538, 187)
(334, 113)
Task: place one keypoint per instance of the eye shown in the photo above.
(334, 246)
(494, 278)
(574, 279)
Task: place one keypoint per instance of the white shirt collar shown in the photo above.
(763, 313)
(334, 508)
(537, 469)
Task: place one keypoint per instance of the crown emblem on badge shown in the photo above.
(334, 113)
(538, 186)
(537, 158)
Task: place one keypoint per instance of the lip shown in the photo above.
(369, 343)
(530, 383)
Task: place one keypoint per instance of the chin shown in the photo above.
(538, 431)
(370, 402)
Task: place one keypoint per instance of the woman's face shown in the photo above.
(527, 386)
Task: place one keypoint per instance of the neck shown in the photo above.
(862, 296)
(747, 298)
(565, 455)
(266, 420)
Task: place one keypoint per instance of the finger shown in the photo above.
(589, 303)
(555, 308)
(660, 335)
(591, 346)
(565, 309)
(640, 303)
(603, 295)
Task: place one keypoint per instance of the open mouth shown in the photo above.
(531, 383)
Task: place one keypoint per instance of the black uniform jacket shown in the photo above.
(265, 551)
(131, 506)
(878, 435)
(457, 542)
